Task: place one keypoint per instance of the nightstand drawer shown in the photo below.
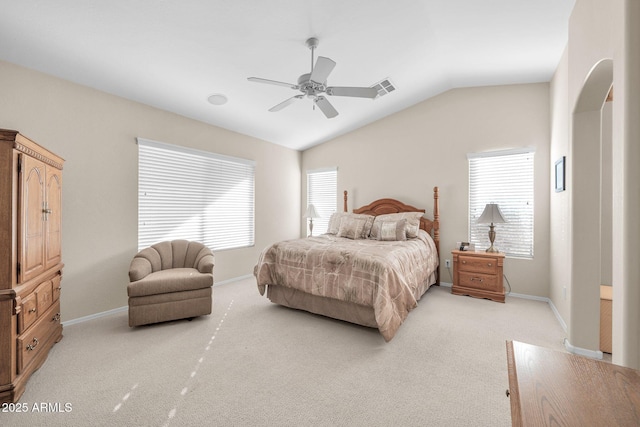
(478, 264)
(487, 282)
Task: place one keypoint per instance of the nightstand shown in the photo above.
(478, 274)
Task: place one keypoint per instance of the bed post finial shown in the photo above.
(345, 201)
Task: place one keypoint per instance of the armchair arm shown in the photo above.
(206, 263)
(139, 269)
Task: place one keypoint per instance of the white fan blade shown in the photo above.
(321, 71)
(326, 107)
(285, 103)
(272, 82)
(358, 92)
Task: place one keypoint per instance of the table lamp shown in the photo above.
(491, 215)
(311, 213)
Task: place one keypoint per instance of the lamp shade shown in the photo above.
(311, 212)
(491, 215)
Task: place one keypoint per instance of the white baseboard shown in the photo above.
(126, 308)
(557, 313)
(235, 279)
(526, 296)
(95, 316)
(594, 354)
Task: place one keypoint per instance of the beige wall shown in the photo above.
(560, 241)
(599, 30)
(405, 155)
(96, 134)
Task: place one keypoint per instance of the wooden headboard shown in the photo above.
(386, 206)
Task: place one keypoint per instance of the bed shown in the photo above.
(371, 268)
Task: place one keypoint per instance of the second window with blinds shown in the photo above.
(504, 178)
(322, 190)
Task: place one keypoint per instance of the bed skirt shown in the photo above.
(336, 309)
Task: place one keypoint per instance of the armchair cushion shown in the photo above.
(172, 280)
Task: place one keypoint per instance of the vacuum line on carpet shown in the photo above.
(185, 389)
(125, 398)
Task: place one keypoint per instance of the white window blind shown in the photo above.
(505, 178)
(322, 188)
(194, 195)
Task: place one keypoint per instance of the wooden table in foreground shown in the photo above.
(552, 388)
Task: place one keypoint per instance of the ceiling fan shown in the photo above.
(314, 84)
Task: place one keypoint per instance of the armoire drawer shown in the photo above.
(28, 312)
(37, 337)
(44, 296)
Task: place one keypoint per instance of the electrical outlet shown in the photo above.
(447, 263)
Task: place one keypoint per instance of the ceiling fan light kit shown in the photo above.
(314, 84)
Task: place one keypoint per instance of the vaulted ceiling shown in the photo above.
(175, 54)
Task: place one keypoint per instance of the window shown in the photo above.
(505, 178)
(194, 195)
(322, 189)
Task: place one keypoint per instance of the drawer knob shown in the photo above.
(476, 279)
(33, 345)
(489, 264)
(33, 310)
(464, 262)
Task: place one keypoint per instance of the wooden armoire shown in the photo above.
(30, 259)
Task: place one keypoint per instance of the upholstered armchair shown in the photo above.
(169, 281)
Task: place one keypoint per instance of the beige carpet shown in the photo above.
(252, 363)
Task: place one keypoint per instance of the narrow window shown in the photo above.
(194, 195)
(322, 189)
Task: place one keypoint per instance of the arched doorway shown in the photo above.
(588, 197)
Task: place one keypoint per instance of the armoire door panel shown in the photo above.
(53, 223)
(32, 224)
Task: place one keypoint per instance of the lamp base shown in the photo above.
(492, 237)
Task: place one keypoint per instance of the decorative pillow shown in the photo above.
(412, 230)
(393, 230)
(412, 227)
(351, 228)
(337, 217)
(334, 222)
